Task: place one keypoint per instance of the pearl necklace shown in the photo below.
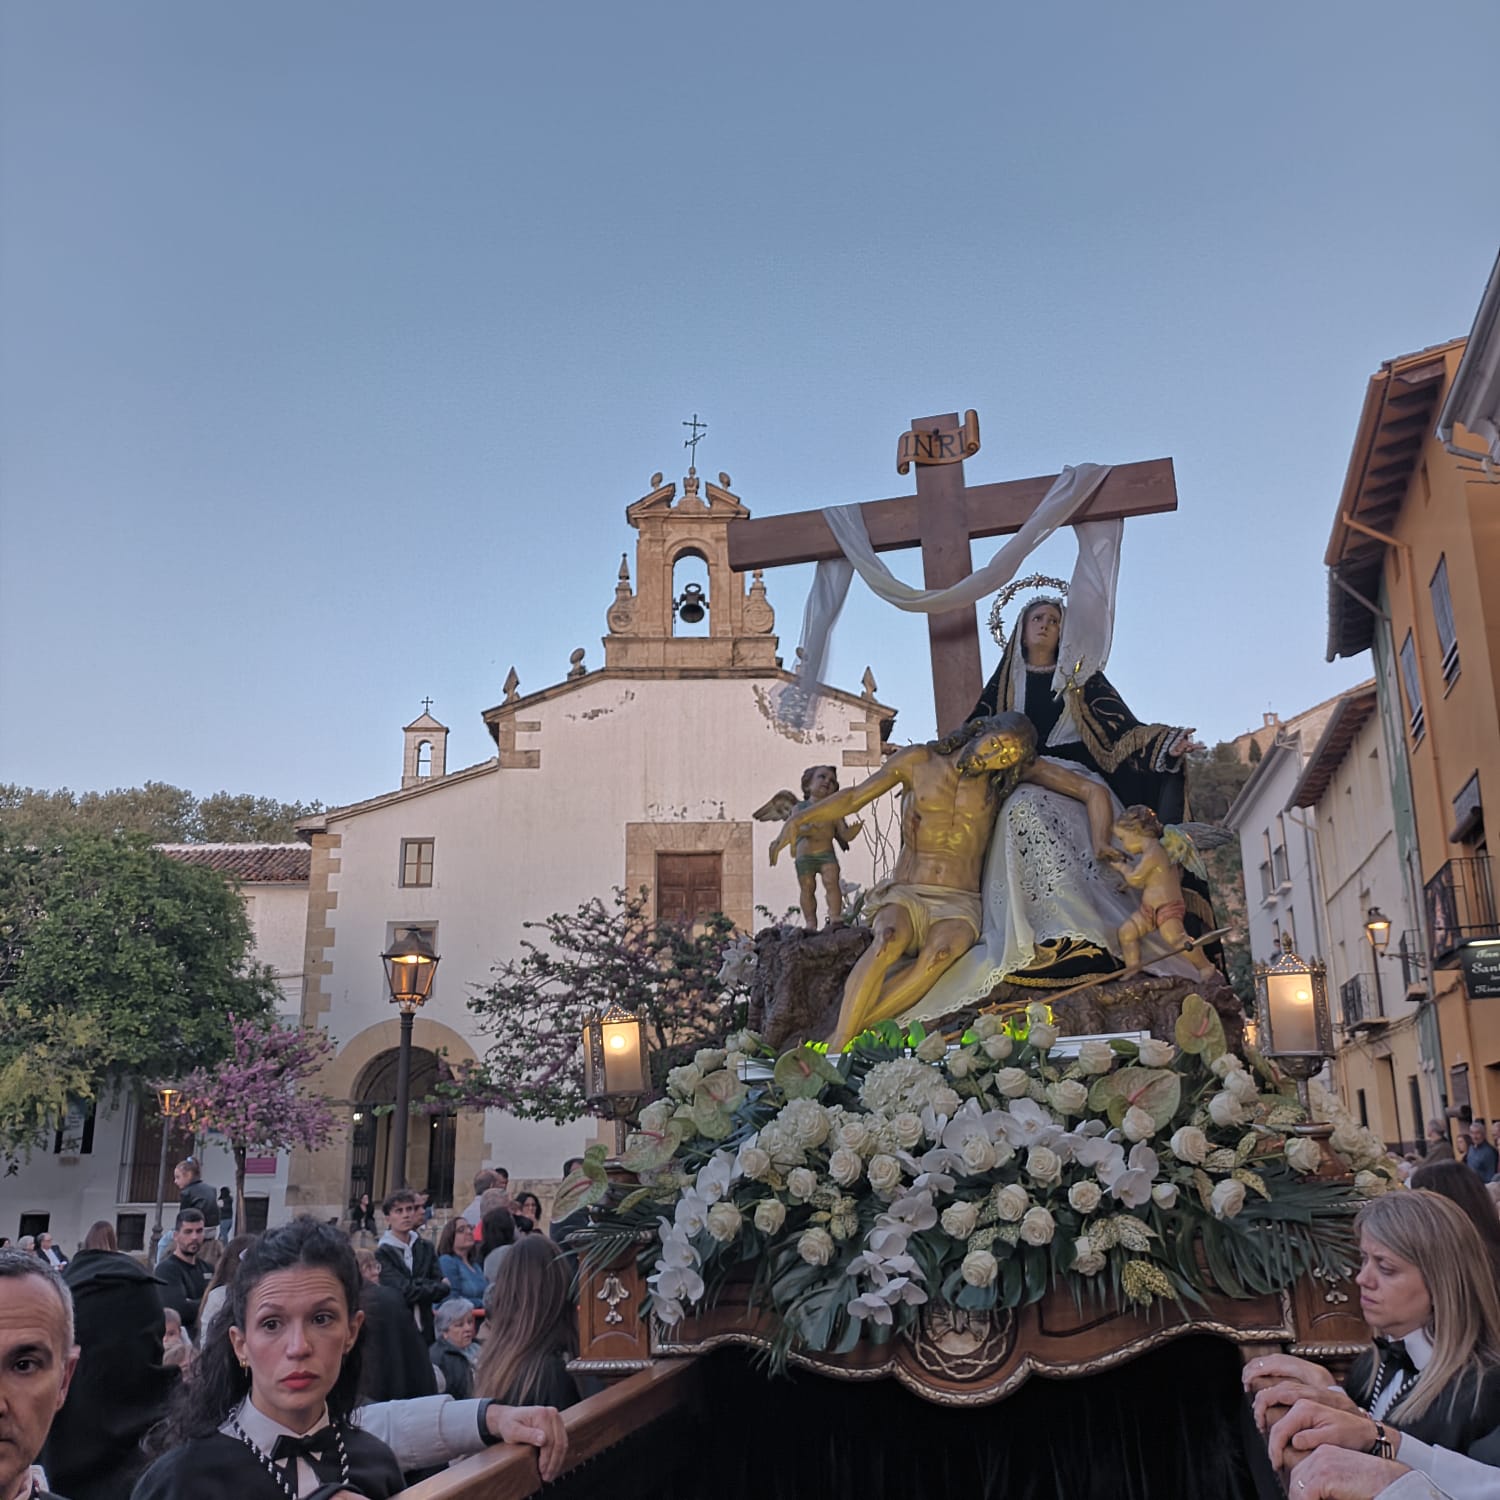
(289, 1489)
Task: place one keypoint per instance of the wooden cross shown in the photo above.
(942, 518)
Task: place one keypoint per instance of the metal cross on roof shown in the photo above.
(698, 429)
(427, 705)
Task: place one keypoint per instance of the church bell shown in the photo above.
(691, 606)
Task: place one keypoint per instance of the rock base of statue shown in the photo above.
(799, 982)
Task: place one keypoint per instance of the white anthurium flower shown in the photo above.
(1095, 1057)
(1155, 1053)
(1138, 1124)
(1228, 1198)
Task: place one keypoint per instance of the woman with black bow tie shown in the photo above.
(1428, 1392)
(266, 1412)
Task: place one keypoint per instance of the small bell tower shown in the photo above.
(425, 755)
(643, 619)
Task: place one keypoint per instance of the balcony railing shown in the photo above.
(1460, 901)
(1359, 1001)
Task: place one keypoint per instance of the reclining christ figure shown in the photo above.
(930, 910)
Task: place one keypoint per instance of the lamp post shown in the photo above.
(169, 1098)
(1296, 1029)
(410, 965)
(616, 1075)
(1378, 931)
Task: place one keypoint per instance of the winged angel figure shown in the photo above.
(815, 856)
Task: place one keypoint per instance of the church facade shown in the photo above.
(641, 773)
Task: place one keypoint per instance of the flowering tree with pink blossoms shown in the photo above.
(257, 1100)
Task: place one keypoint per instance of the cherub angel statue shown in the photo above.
(1158, 854)
(815, 855)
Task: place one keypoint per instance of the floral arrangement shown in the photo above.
(978, 1174)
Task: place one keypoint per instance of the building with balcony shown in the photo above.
(1371, 944)
(1415, 536)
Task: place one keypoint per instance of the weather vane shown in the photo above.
(698, 429)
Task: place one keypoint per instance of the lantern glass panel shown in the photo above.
(624, 1058)
(1291, 1013)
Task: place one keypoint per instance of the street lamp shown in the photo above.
(410, 965)
(616, 1075)
(1378, 931)
(169, 1098)
(1292, 1001)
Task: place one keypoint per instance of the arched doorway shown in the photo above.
(430, 1138)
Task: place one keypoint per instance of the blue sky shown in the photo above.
(337, 337)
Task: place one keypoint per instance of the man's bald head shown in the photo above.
(37, 1359)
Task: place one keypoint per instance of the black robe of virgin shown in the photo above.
(220, 1467)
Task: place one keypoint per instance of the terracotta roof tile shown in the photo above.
(260, 864)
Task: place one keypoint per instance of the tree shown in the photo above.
(164, 814)
(117, 964)
(256, 1097)
(587, 961)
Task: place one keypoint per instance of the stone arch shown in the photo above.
(318, 1181)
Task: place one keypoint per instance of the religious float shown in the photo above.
(993, 1195)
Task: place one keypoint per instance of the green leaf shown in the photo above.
(1199, 1029)
(586, 1185)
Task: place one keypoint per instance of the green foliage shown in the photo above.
(116, 962)
(165, 814)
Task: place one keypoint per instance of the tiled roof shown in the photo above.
(260, 864)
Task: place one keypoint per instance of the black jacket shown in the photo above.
(183, 1284)
(202, 1197)
(120, 1389)
(393, 1360)
(223, 1468)
(421, 1287)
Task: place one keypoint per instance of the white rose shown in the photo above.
(1371, 1184)
(1225, 1109)
(1138, 1124)
(754, 1163)
(806, 1121)
(802, 1182)
(945, 1102)
(960, 1065)
(959, 1220)
(709, 1059)
(1087, 1261)
(1068, 1097)
(1043, 1165)
(770, 1215)
(934, 1047)
(1043, 1038)
(987, 1026)
(978, 1154)
(908, 1130)
(1164, 1194)
(1189, 1144)
(1038, 1013)
(885, 1175)
(724, 1221)
(1156, 1054)
(1242, 1086)
(1228, 1198)
(1084, 1196)
(1038, 1227)
(816, 1247)
(1095, 1057)
(998, 1046)
(682, 1081)
(980, 1268)
(1225, 1064)
(1303, 1155)
(856, 1135)
(844, 1166)
(1011, 1081)
(1012, 1202)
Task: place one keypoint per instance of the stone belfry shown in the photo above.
(642, 620)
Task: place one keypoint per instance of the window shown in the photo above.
(1364, 1109)
(688, 887)
(416, 862)
(1412, 683)
(1267, 885)
(1280, 870)
(1419, 1130)
(1442, 614)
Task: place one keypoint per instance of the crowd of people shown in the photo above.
(296, 1355)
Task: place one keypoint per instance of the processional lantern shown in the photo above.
(615, 1071)
(1295, 1025)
